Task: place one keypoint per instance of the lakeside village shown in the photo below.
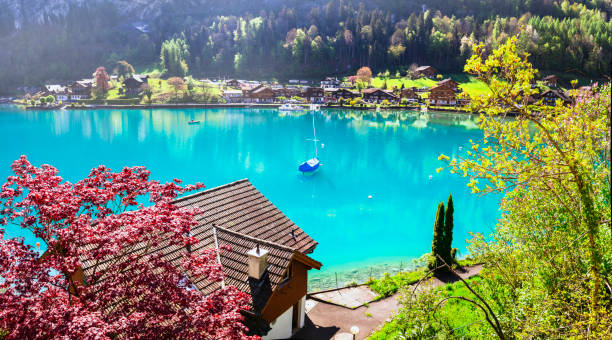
(429, 90)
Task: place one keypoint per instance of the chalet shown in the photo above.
(550, 97)
(425, 71)
(232, 96)
(442, 95)
(330, 83)
(550, 80)
(261, 94)
(233, 83)
(375, 95)
(410, 95)
(133, 84)
(449, 83)
(268, 260)
(314, 94)
(286, 92)
(333, 95)
(81, 89)
(61, 93)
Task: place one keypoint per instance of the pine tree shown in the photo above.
(438, 236)
(449, 251)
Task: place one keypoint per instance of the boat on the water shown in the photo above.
(312, 164)
(192, 122)
(315, 107)
(290, 107)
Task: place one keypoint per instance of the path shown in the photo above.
(324, 321)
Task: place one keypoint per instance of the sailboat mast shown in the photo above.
(314, 133)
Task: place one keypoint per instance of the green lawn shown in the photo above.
(473, 86)
(421, 82)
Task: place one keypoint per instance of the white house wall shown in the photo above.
(281, 329)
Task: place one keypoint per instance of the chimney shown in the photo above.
(257, 262)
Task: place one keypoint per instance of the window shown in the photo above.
(288, 273)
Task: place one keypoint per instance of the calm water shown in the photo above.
(390, 158)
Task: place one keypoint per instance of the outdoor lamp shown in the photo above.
(354, 331)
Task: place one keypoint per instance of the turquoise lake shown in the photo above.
(388, 156)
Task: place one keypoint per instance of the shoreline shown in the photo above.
(231, 105)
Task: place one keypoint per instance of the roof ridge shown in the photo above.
(211, 190)
(255, 239)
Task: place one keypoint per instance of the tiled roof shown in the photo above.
(237, 215)
(241, 208)
(236, 264)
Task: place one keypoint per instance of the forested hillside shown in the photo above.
(66, 39)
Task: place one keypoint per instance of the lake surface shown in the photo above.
(389, 157)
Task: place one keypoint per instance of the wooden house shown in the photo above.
(268, 260)
(551, 80)
(550, 97)
(330, 83)
(233, 83)
(442, 95)
(425, 71)
(314, 94)
(81, 89)
(448, 82)
(410, 95)
(232, 96)
(261, 94)
(133, 84)
(375, 95)
(333, 95)
(287, 92)
(59, 92)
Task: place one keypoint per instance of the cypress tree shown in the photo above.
(448, 231)
(437, 244)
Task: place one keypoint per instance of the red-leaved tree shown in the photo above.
(101, 77)
(132, 287)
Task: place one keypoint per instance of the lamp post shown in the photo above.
(354, 331)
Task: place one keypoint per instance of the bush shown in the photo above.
(389, 285)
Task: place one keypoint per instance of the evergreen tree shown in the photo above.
(437, 243)
(449, 251)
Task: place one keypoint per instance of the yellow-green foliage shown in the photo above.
(550, 248)
(456, 319)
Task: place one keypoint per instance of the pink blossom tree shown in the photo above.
(132, 287)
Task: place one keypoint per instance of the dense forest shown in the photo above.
(309, 39)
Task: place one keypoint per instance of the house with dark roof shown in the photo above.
(330, 83)
(314, 94)
(332, 95)
(410, 94)
(449, 83)
(550, 80)
(261, 94)
(442, 95)
(375, 95)
(425, 71)
(233, 83)
(550, 97)
(268, 259)
(81, 89)
(133, 84)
